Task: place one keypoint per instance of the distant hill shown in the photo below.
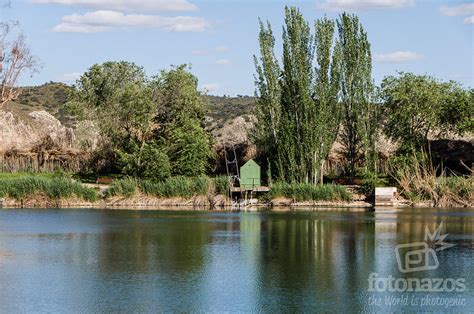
(52, 96)
(228, 118)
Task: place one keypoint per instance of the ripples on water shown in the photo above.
(98, 260)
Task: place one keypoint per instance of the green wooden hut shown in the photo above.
(250, 175)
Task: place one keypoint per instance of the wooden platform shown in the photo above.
(249, 189)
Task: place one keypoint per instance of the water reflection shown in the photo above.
(93, 260)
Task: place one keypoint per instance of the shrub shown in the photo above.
(150, 162)
(124, 187)
(222, 184)
(370, 180)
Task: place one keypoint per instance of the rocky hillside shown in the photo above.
(39, 112)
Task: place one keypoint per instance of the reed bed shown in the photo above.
(171, 187)
(20, 187)
(419, 183)
(309, 192)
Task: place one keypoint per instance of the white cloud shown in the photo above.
(100, 21)
(223, 61)
(363, 5)
(127, 5)
(458, 10)
(69, 77)
(79, 28)
(210, 87)
(397, 57)
(469, 20)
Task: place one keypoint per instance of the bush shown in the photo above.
(310, 192)
(150, 162)
(370, 180)
(124, 187)
(222, 184)
(19, 187)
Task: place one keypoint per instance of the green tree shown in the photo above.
(153, 128)
(358, 135)
(418, 107)
(148, 162)
(118, 98)
(297, 105)
(180, 121)
(268, 92)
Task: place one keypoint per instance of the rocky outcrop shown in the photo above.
(25, 133)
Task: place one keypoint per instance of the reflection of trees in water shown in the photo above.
(315, 257)
(170, 246)
(410, 224)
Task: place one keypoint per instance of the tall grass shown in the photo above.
(176, 186)
(19, 187)
(310, 192)
(417, 179)
(123, 187)
(171, 187)
(222, 184)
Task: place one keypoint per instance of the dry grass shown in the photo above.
(417, 178)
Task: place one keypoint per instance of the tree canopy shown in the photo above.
(152, 127)
(301, 106)
(418, 107)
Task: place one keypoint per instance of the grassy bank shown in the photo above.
(172, 187)
(308, 192)
(22, 186)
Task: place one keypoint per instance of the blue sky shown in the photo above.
(219, 38)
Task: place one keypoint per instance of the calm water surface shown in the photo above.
(96, 260)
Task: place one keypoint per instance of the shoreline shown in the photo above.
(196, 203)
(141, 202)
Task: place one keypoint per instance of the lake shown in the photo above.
(92, 260)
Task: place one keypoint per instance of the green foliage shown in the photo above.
(417, 106)
(222, 184)
(19, 187)
(297, 111)
(176, 186)
(417, 179)
(181, 110)
(150, 128)
(310, 192)
(123, 187)
(176, 95)
(189, 148)
(148, 162)
(359, 113)
(370, 181)
(118, 98)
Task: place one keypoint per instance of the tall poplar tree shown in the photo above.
(358, 133)
(297, 104)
